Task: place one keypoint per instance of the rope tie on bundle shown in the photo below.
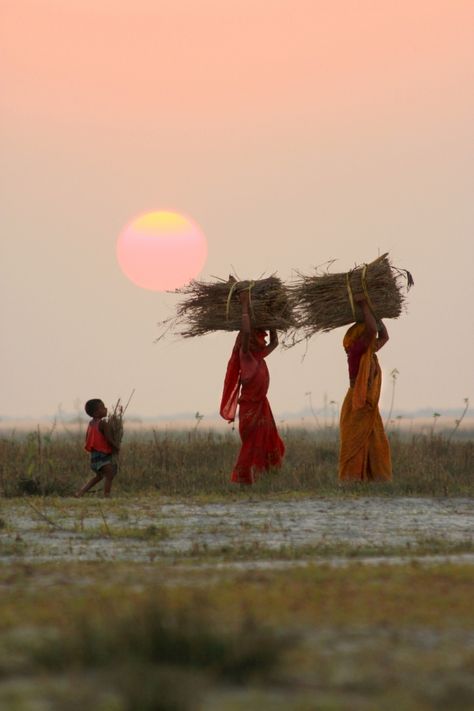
(366, 291)
(251, 285)
(230, 294)
(349, 293)
(364, 288)
(229, 297)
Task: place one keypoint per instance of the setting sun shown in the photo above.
(161, 250)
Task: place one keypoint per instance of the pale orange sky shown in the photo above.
(292, 132)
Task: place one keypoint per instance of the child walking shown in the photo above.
(102, 447)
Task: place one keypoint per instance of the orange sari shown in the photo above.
(246, 385)
(364, 448)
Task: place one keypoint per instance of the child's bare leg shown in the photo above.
(109, 471)
(92, 482)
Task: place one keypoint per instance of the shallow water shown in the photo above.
(119, 530)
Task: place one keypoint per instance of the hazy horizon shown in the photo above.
(324, 414)
(292, 133)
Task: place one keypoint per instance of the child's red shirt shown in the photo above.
(95, 439)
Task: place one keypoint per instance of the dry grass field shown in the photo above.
(198, 463)
(182, 592)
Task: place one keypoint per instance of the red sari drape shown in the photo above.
(246, 385)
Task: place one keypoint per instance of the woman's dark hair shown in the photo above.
(91, 406)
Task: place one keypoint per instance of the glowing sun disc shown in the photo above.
(161, 250)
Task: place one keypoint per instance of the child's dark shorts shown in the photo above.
(99, 460)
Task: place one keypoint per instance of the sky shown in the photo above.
(292, 132)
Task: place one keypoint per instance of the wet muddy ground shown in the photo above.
(360, 637)
(150, 529)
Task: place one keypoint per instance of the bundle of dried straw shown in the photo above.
(115, 425)
(325, 301)
(115, 422)
(215, 306)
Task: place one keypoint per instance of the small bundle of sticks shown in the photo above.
(325, 301)
(115, 422)
(115, 425)
(215, 306)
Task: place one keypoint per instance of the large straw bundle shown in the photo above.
(326, 301)
(215, 306)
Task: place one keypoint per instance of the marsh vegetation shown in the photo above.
(185, 593)
(199, 462)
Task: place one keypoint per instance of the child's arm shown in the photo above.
(108, 433)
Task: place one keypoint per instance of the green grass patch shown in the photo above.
(256, 551)
(142, 637)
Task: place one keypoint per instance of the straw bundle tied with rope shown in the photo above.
(215, 306)
(325, 301)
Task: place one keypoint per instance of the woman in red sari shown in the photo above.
(246, 385)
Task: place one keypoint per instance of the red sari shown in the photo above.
(246, 385)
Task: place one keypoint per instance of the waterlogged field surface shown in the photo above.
(152, 528)
(149, 603)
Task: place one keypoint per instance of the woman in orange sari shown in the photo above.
(246, 385)
(364, 448)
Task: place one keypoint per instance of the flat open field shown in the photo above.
(239, 533)
(182, 592)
